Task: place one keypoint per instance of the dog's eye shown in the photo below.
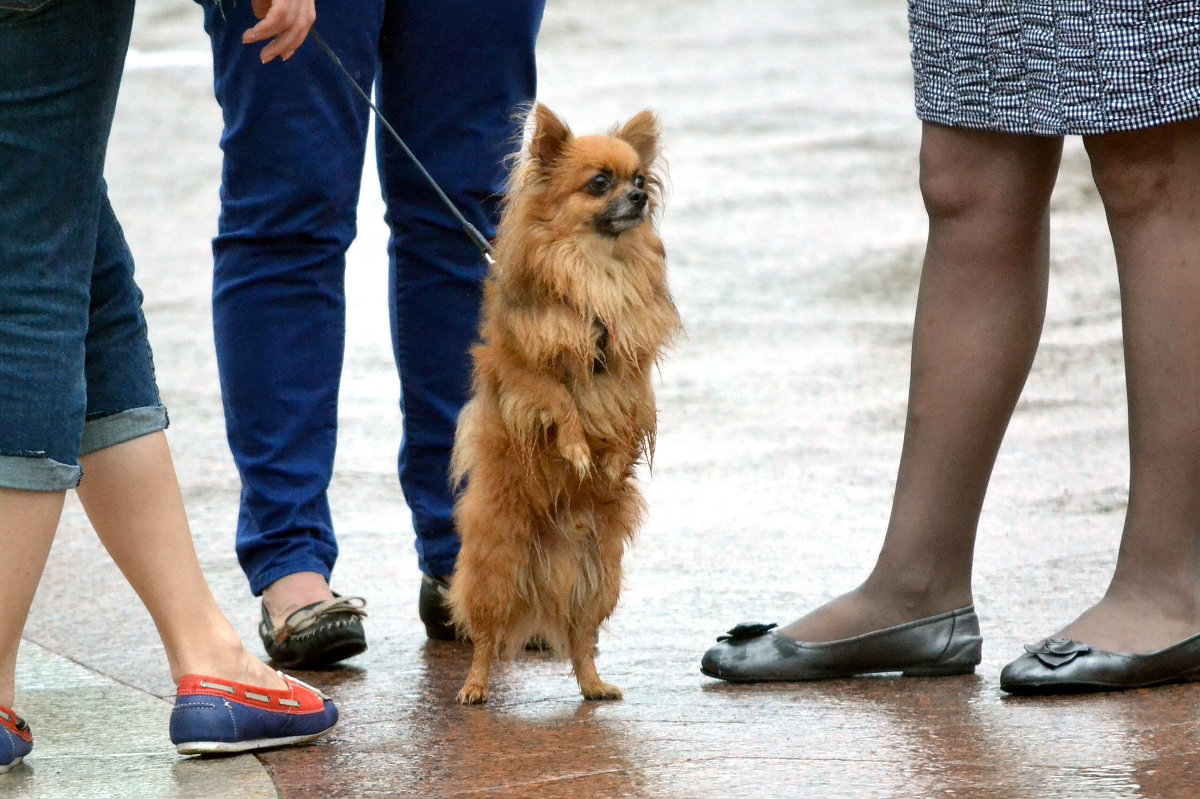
(600, 184)
(639, 182)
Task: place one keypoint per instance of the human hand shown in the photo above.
(284, 22)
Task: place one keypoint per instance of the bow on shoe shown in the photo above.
(746, 631)
(1055, 652)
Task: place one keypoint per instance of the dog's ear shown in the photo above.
(550, 136)
(642, 132)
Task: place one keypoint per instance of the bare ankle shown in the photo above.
(291, 592)
(233, 663)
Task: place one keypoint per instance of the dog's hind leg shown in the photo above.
(486, 598)
(583, 658)
(486, 591)
(475, 688)
(581, 635)
(615, 522)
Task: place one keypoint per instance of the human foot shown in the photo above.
(213, 715)
(318, 635)
(937, 646)
(16, 739)
(864, 611)
(291, 592)
(1134, 626)
(306, 626)
(216, 650)
(1118, 644)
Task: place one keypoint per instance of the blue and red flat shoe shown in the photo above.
(213, 716)
(16, 739)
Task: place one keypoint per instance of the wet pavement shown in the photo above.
(795, 233)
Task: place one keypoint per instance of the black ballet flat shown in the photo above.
(1065, 666)
(941, 645)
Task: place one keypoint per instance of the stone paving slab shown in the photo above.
(96, 738)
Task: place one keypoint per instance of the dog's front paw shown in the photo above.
(472, 694)
(601, 690)
(578, 455)
(613, 466)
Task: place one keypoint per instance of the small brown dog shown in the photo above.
(576, 314)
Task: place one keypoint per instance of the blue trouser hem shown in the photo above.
(117, 428)
(437, 549)
(261, 580)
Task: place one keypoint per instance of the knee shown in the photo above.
(991, 201)
(949, 193)
(986, 199)
(998, 184)
(1132, 180)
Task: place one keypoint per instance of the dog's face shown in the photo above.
(604, 185)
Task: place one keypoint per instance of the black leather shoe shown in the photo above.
(1064, 666)
(435, 615)
(946, 644)
(433, 610)
(316, 636)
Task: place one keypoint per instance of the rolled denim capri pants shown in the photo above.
(76, 373)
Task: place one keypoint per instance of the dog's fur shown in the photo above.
(576, 314)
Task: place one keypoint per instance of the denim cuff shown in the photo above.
(117, 428)
(36, 472)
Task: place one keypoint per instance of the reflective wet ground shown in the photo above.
(795, 233)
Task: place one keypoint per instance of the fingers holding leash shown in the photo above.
(283, 24)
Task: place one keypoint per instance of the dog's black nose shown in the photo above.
(637, 197)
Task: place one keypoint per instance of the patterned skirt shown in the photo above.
(1056, 67)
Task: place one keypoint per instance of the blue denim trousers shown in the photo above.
(449, 75)
(75, 367)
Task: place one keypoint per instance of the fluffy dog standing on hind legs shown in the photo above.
(576, 315)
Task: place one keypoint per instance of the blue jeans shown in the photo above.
(75, 368)
(449, 75)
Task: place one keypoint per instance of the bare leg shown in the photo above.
(131, 495)
(979, 316)
(1149, 181)
(28, 520)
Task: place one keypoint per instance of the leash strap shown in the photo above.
(473, 234)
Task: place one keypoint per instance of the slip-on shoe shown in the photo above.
(316, 636)
(433, 606)
(434, 609)
(16, 739)
(213, 716)
(946, 644)
(1065, 666)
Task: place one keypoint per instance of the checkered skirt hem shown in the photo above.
(1056, 67)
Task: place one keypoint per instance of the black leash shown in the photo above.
(473, 234)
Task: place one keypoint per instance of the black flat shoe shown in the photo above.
(946, 644)
(435, 615)
(1064, 666)
(316, 636)
(433, 610)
